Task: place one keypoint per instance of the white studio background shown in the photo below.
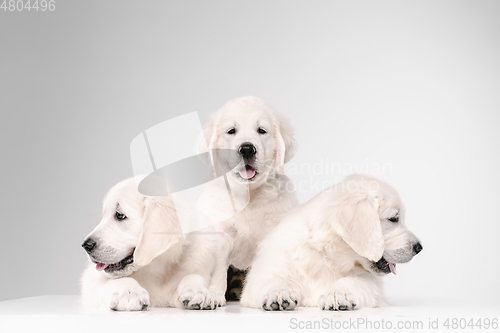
(412, 86)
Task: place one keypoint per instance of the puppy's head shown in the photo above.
(262, 140)
(134, 229)
(369, 216)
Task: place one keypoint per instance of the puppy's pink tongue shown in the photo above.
(392, 267)
(247, 173)
(100, 266)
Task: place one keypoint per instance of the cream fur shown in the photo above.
(168, 269)
(322, 253)
(259, 203)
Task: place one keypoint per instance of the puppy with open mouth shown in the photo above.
(247, 170)
(139, 256)
(251, 142)
(331, 251)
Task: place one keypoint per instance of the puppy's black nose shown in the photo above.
(247, 150)
(88, 245)
(417, 248)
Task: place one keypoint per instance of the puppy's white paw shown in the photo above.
(220, 300)
(280, 299)
(198, 298)
(338, 300)
(127, 296)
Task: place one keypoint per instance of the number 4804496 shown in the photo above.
(28, 5)
(463, 323)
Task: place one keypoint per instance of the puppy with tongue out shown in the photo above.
(137, 254)
(332, 251)
(247, 151)
(249, 144)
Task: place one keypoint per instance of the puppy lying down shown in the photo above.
(139, 256)
(332, 251)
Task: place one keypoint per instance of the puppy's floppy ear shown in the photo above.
(206, 140)
(160, 230)
(208, 137)
(286, 145)
(356, 220)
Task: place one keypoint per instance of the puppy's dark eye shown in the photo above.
(231, 131)
(120, 216)
(262, 130)
(394, 219)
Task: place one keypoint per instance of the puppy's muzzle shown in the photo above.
(89, 245)
(247, 150)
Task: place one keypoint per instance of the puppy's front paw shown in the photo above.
(338, 300)
(220, 300)
(198, 299)
(129, 297)
(282, 299)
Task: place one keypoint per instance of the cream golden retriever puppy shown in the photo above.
(332, 251)
(255, 189)
(139, 256)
